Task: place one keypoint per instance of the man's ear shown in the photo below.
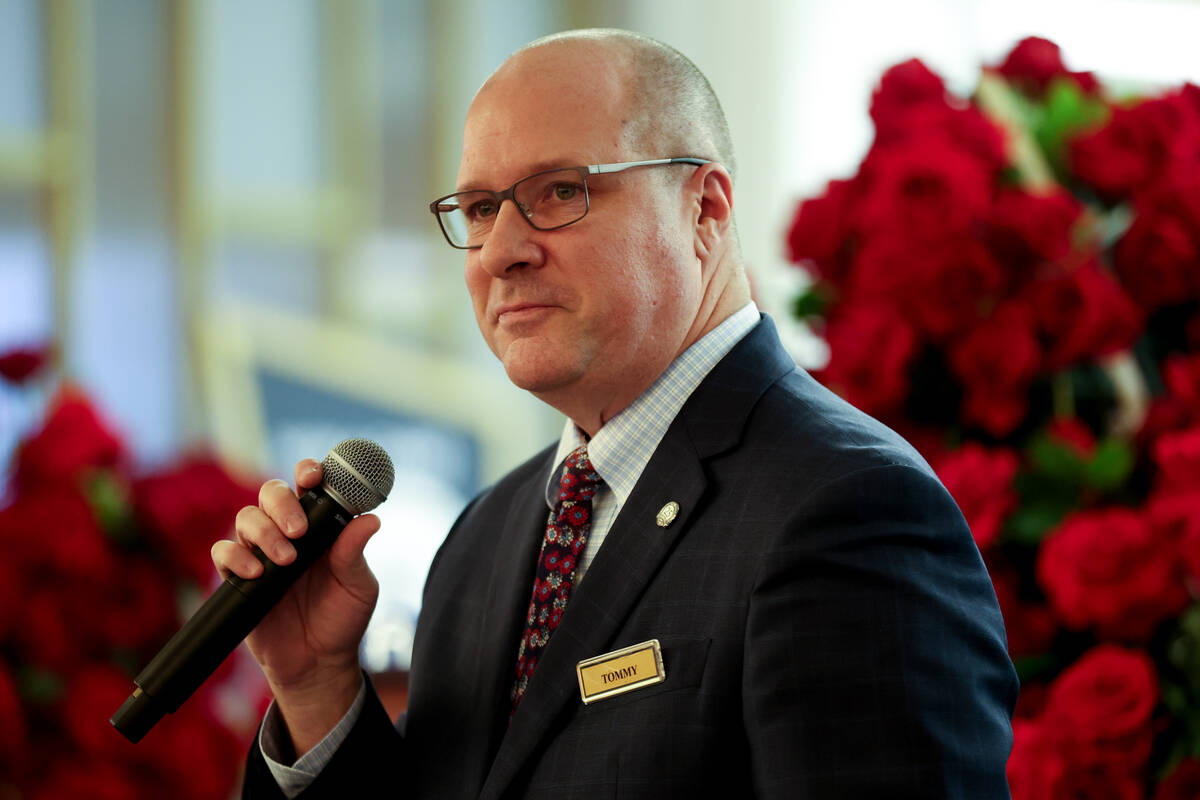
(713, 216)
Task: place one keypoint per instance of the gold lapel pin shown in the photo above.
(667, 514)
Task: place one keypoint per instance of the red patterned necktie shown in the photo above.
(566, 535)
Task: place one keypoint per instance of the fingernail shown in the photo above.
(295, 523)
(284, 551)
(313, 468)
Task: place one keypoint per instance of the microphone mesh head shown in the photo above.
(358, 474)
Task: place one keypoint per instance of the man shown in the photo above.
(812, 615)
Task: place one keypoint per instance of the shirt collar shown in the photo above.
(621, 448)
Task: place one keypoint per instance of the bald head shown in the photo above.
(671, 110)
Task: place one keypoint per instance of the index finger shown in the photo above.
(308, 473)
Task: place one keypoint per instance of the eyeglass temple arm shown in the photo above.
(600, 169)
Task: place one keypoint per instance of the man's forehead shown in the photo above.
(513, 131)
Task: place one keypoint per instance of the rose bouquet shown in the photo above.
(1012, 280)
(98, 566)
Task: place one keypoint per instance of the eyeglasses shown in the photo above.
(547, 200)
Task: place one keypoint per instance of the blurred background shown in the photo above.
(217, 210)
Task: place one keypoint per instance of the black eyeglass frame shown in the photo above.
(584, 171)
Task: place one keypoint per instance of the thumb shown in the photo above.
(346, 556)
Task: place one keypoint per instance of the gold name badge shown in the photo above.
(621, 671)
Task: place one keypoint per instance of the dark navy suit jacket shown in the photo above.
(827, 625)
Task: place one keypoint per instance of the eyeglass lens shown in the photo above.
(548, 200)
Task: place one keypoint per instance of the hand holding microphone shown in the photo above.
(310, 612)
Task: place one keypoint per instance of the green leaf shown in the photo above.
(1067, 111)
(1175, 698)
(1057, 461)
(1029, 524)
(38, 686)
(1031, 667)
(1110, 466)
(1189, 621)
(108, 496)
(812, 302)
(1183, 650)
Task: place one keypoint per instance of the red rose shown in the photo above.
(996, 363)
(1139, 145)
(902, 88)
(1190, 545)
(1109, 570)
(1177, 455)
(1181, 374)
(948, 284)
(47, 635)
(137, 612)
(965, 129)
(73, 439)
(192, 754)
(1182, 784)
(12, 596)
(981, 483)
(959, 285)
(1179, 407)
(1100, 709)
(871, 347)
(18, 366)
(1028, 229)
(924, 186)
(50, 532)
(70, 779)
(977, 135)
(1035, 62)
(1074, 435)
(1174, 508)
(1035, 767)
(1029, 626)
(14, 736)
(188, 507)
(1083, 314)
(886, 270)
(820, 231)
(1099, 783)
(1173, 514)
(1158, 258)
(93, 693)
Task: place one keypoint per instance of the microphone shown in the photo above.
(358, 476)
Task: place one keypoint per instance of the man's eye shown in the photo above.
(566, 191)
(481, 210)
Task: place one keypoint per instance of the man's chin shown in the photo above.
(538, 380)
(538, 369)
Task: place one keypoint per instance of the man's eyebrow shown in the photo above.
(535, 167)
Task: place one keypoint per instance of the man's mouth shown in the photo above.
(520, 312)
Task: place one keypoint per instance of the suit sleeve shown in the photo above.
(875, 660)
(371, 762)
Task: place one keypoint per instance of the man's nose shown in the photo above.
(511, 242)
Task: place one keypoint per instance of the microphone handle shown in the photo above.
(225, 619)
